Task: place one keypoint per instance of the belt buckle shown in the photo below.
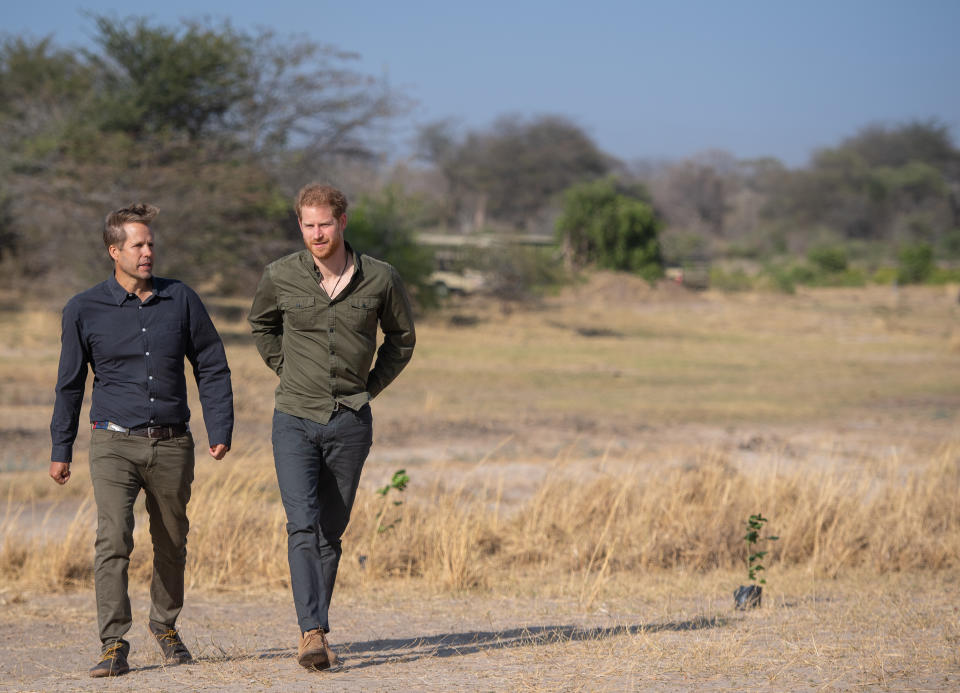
(158, 429)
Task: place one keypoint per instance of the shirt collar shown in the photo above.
(357, 264)
(119, 294)
(307, 258)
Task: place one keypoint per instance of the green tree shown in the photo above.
(382, 225)
(9, 240)
(828, 258)
(218, 127)
(927, 141)
(610, 228)
(41, 88)
(915, 263)
(513, 171)
(155, 78)
(44, 92)
(882, 184)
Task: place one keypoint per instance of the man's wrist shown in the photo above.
(62, 453)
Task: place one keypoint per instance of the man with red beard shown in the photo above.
(134, 330)
(314, 318)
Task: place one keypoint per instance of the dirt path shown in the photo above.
(813, 636)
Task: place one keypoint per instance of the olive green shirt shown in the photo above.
(322, 349)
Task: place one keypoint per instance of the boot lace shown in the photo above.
(111, 652)
(171, 639)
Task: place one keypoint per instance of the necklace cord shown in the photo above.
(333, 291)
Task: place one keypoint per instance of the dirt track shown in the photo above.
(828, 635)
(664, 631)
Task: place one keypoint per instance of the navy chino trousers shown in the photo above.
(318, 471)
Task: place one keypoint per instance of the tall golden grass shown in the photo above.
(811, 362)
(578, 530)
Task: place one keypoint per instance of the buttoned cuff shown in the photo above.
(62, 453)
(215, 437)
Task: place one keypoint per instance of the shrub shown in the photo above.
(802, 273)
(828, 258)
(915, 263)
(780, 278)
(607, 226)
(884, 275)
(951, 243)
(515, 273)
(944, 275)
(380, 225)
(734, 280)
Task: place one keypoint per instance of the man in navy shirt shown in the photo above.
(133, 331)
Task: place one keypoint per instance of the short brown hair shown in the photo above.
(321, 195)
(113, 233)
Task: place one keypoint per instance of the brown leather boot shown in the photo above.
(174, 651)
(113, 661)
(314, 652)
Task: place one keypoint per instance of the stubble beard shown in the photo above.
(138, 273)
(325, 252)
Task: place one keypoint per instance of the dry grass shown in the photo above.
(586, 514)
(582, 530)
(601, 449)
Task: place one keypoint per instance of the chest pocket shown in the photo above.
(166, 338)
(298, 311)
(363, 312)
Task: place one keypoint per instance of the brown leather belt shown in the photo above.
(152, 432)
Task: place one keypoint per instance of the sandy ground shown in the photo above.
(811, 636)
(663, 632)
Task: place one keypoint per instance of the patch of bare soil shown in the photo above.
(618, 289)
(519, 454)
(654, 636)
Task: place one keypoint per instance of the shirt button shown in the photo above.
(147, 353)
(149, 377)
(151, 399)
(151, 420)
(143, 329)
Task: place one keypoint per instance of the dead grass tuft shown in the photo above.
(580, 530)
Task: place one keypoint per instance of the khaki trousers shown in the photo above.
(120, 466)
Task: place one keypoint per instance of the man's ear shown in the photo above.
(114, 252)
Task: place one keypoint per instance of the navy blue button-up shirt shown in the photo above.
(136, 352)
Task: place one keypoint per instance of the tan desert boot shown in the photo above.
(314, 652)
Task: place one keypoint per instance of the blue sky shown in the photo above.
(646, 80)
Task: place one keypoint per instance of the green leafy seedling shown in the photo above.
(398, 483)
(755, 525)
